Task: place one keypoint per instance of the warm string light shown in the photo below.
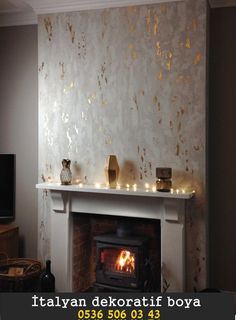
(128, 187)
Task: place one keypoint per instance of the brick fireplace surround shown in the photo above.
(73, 207)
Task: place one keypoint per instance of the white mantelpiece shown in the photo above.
(166, 207)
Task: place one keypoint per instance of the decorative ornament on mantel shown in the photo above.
(66, 175)
(112, 171)
(164, 182)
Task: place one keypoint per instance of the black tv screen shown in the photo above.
(7, 186)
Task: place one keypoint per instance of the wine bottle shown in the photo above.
(47, 279)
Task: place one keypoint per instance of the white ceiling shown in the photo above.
(18, 12)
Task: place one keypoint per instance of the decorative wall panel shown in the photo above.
(130, 82)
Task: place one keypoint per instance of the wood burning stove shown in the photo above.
(121, 262)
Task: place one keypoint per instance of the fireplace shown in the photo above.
(168, 209)
(111, 253)
(121, 262)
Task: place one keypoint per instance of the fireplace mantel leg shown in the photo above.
(173, 246)
(61, 241)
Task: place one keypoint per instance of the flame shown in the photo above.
(125, 261)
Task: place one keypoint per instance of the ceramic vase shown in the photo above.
(66, 175)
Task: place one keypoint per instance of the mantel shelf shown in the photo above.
(122, 191)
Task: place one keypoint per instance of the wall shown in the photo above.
(18, 123)
(222, 151)
(131, 82)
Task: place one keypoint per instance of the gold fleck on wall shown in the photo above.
(132, 51)
(72, 31)
(48, 27)
(156, 25)
(184, 80)
(62, 67)
(41, 67)
(158, 49)
(132, 15)
(160, 76)
(177, 150)
(148, 20)
(197, 58)
(188, 43)
(194, 25)
(168, 65)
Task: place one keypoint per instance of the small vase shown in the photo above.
(112, 171)
(66, 175)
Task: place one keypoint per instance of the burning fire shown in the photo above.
(125, 261)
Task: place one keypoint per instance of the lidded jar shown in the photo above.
(164, 182)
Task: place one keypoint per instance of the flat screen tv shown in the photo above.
(7, 187)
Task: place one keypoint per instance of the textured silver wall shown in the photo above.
(131, 82)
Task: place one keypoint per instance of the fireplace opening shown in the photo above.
(116, 254)
(121, 262)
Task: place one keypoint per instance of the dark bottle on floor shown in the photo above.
(47, 279)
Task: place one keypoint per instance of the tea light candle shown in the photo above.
(154, 189)
(171, 190)
(177, 191)
(118, 186)
(98, 185)
(135, 187)
(127, 186)
(80, 184)
(147, 186)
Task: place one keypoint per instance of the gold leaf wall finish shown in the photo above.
(72, 31)
(48, 27)
(114, 79)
